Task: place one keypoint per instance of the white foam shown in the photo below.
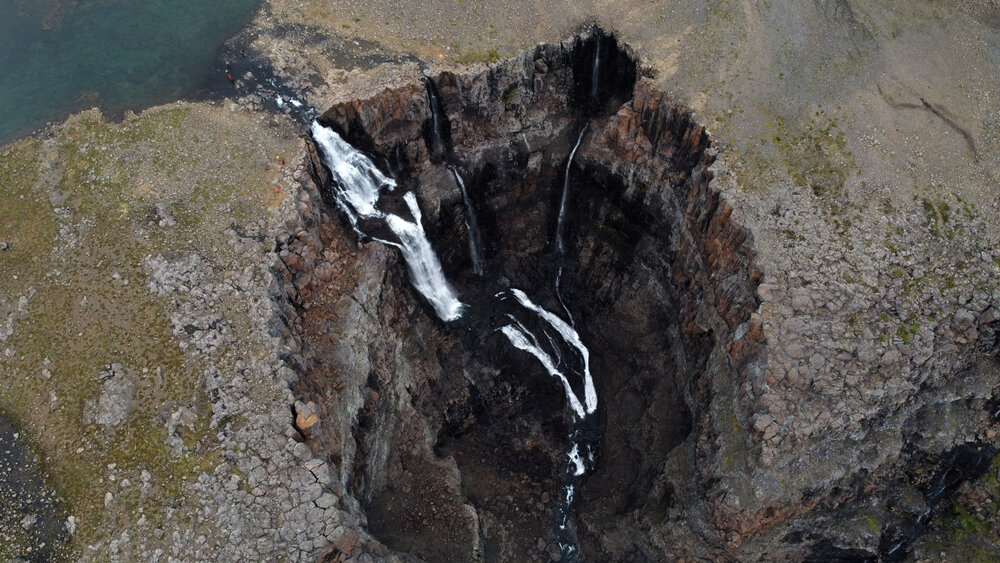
(358, 183)
(425, 269)
(571, 337)
(523, 339)
(574, 456)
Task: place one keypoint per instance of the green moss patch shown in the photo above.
(91, 306)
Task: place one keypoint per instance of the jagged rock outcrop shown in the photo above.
(440, 437)
(510, 131)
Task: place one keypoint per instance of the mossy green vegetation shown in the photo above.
(811, 151)
(77, 211)
(969, 530)
(27, 220)
(487, 55)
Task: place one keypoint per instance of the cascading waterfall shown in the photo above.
(425, 269)
(561, 352)
(357, 186)
(565, 358)
(524, 339)
(472, 226)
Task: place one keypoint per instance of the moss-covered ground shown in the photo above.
(77, 208)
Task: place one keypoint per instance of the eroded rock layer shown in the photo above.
(457, 443)
(449, 443)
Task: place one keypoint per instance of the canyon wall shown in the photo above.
(448, 443)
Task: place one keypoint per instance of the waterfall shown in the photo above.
(560, 248)
(425, 268)
(563, 356)
(471, 225)
(358, 181)
(357, 186)
(595, 71)
(434, 101)
(524, 339)
(565, 192)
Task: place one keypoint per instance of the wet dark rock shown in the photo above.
(31, 527)
(826, 552)
(697, 443)
(657, 279)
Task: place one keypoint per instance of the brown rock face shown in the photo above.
(452, 442)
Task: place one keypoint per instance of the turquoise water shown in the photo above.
(61, 56)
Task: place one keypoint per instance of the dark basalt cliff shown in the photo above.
(658, 280)
(450, 443)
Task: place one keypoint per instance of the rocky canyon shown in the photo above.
(641, 285)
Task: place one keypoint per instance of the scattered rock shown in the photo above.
(116, 402)
(990, 315)
(963, 320)
(762, 422)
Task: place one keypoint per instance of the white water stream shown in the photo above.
(471, 226)
(564, 357)
(565, 348)
(596, 70)
(435, 105)
(565, 193)
(357, 186)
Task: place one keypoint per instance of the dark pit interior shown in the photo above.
(459, 440)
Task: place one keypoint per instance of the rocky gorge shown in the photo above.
(806, 371)
(452, 435)
(635, 236)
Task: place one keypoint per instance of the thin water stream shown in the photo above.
(471, 225)
(359, 189)
(560, 247)
(594, 98)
